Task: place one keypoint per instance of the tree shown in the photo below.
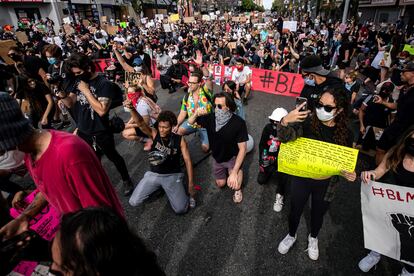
(278, 6)
(247, 5)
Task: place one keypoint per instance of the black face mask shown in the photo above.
(409, 146)
(86, 76)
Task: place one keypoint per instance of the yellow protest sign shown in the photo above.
(174, 17)
(315, 159)
(409, 48)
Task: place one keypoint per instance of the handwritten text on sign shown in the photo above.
(268, 81)
(132, 77)
(388, 219)
(315, 159)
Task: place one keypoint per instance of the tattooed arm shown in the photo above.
(21, 223)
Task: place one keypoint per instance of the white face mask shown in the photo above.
(174, 61)
(323, 115)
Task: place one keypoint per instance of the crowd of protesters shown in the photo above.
(354, 74)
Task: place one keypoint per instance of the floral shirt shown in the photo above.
(204, 101)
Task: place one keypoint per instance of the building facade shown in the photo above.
(13, 10)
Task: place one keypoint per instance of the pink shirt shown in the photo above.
(70, 176)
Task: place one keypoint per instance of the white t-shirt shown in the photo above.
(239, 77)
(11, 159)
(144, 110)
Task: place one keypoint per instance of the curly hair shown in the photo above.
(341, 119)
(167, 116)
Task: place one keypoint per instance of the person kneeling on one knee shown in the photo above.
(164, 158)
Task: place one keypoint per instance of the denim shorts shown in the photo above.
(202, 132)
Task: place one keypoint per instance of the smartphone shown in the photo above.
(301, 100)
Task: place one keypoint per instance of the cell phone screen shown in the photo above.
(301, 100)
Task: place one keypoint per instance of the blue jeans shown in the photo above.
(202, 132)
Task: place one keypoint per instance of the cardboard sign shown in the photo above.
(112, 30)
(132, 78)
(5, 46)
(388, 219)
(315, 159)
(68, 29)
(205, 17)
(22, 37)
(189, 20)
(290, 25)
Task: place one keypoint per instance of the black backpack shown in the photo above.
(118, 98)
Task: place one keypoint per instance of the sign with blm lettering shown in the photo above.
(388, 219)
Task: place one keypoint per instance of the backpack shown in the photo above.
(155, 108)
(118, 98)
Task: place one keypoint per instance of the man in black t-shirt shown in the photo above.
(164, 158)
(227, 134)
(91, 102)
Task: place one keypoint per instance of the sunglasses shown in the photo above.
(192, 82)
(219, 106)
(327, 108)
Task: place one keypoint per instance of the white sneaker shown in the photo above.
(369, 261)
(313, 250)
(286, 244)
(278, 205)
(404, 272)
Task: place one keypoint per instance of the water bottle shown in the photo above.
(266, 160)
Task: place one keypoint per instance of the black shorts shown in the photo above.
(387, 141)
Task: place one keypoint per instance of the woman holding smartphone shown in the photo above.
(327, 123)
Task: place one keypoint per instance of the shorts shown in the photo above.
(387, 140)
(221, 170)
(202, 132)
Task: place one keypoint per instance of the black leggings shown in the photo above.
(302, 188)
(265, 174)
(105, 145)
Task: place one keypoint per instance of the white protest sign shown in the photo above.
(290, 25)
(167, 28)
(66, 20)
(388, 218)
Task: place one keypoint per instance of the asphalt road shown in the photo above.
(219, 237)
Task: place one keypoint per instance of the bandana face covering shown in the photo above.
(222, 118)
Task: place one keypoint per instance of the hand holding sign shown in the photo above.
(405, 226)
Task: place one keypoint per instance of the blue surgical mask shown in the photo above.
(310, 82)
(52, 60)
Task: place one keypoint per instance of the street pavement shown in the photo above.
(219, 237)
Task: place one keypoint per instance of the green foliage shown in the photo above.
(249, 5)
(278, 6)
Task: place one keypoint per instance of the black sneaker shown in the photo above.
(244, 101)
(171, 90)
(127, 187)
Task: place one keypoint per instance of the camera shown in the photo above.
(55, 78)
